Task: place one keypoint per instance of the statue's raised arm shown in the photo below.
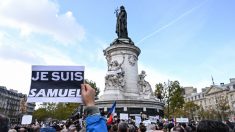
(121, 26)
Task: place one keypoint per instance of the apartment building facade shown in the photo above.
(210, 98)
(11, 104)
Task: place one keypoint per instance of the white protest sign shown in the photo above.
(146, 122)
(153, 119)
(26, 119)
(137, 120)
(123, 116)
(56, 84)
(157, 116)
(182, 120)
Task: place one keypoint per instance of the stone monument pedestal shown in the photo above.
(123, 84)
(133, 107)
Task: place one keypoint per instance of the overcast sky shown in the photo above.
(184, 40)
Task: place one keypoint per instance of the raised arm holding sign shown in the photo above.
(94, 121)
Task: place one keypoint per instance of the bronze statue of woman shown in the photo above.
(121, 26)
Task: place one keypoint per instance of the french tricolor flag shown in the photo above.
(111, 113)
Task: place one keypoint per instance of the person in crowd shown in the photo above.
(159, 127)
(36, 128)
(212, 126)
(177, 129)
(186, 127)
(94, 121)
(12, 130)
(47, 129)
(122, 127)
(72, 128)
(192, 126)
(4, 123)
(132, 128)
(230, 125)
(22, 129)
(109, 128)
(151, 128)
(142, 128)
(170, 125)
(114, 128)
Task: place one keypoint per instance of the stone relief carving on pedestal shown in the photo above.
(115, 75)
(144, 86)
(132, 60)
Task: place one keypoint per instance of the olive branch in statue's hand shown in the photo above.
(116, 12)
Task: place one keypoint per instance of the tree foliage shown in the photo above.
(66, 110)
(40, 114)
(172, 94)
(93, 85)
(59, 111)
(209, 114)
(222, 106)
(190, 108)
(159, 91)
(176, 98)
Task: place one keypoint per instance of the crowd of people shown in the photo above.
(119, 126)
(94, 121)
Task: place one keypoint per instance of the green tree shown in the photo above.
(40, 114)
(60, 111)
(190, 108)
(209, 114)
(50, 109)
(222, 107)
(64, 111)
(172, 94)
(93, 85)
(201, 113)
(159, 91)
(176, 99)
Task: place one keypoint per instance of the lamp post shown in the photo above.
(81, 110)
(167, 90)
(168, 102)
